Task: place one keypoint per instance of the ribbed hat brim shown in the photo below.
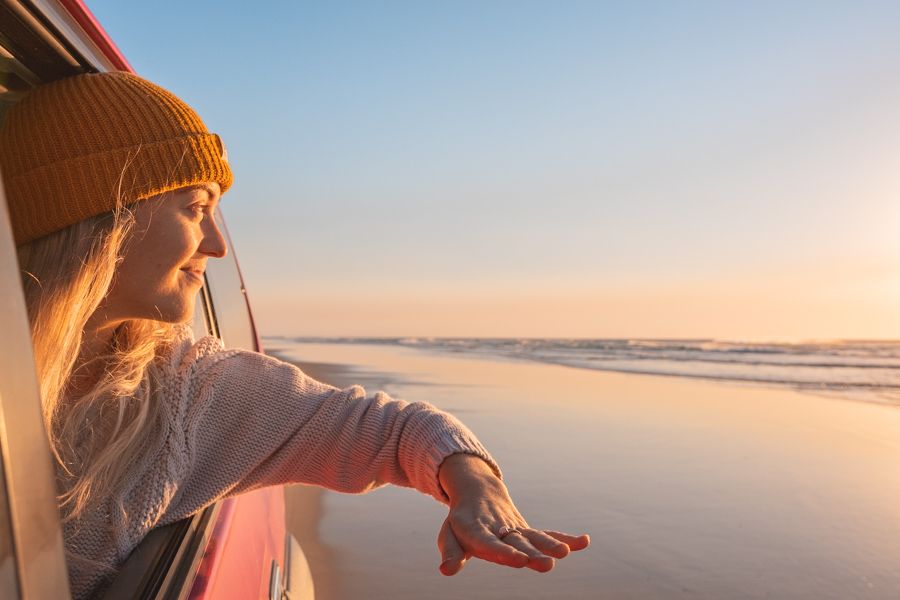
(90, 185)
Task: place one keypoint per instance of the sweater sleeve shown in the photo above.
(252, 421)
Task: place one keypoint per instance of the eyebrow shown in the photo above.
(208, 189)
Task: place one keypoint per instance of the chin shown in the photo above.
(175, 310)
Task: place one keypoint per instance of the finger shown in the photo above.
(579, 542)
(537, 560)
(485, 545)
(452, 555)
(546, 543)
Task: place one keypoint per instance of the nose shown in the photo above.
(213, 243)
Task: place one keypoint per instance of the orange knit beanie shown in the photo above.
(74, 148)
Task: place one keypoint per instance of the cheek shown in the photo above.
(138, 276)
(153, 261)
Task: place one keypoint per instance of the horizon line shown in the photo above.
(760, 340)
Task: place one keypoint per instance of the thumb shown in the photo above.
(452, 554)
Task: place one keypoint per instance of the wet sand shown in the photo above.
(689, 489)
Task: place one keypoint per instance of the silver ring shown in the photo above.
(507, 530)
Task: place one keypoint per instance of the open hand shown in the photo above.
(484, 523)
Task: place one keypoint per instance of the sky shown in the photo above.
(549, 169)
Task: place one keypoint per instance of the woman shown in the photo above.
(112, 182)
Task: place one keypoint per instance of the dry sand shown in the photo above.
(689, 489)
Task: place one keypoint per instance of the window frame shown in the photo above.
(28, 472)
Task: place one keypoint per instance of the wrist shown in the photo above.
(461, 475)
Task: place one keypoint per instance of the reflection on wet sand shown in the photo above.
(689, 489)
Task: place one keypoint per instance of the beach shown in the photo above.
(688, 488)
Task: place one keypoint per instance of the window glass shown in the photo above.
(198, 322)
(229, 298)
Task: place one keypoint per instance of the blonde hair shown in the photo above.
(95, 434)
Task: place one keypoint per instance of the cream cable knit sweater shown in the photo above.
(237, 421)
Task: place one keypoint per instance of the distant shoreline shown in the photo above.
(858, 371)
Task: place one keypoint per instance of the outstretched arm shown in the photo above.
(483, 522)
(251, 420)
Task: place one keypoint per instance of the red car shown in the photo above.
(237, 548)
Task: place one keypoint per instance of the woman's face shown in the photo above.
(163, 262)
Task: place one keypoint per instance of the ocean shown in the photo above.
(858, 370)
